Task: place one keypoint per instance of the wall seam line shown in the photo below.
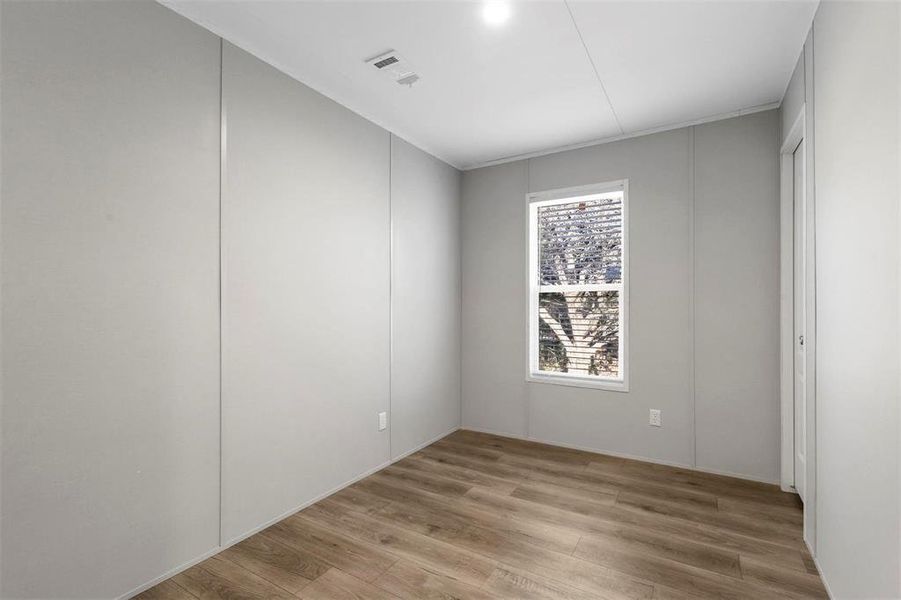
(460, 295)
(222, 140)
(811, 200)
(528, 399)
(390, 293)
(692, 253)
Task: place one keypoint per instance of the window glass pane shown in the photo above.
(578, 333)
(581, 242)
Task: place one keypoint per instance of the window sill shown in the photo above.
(582, 382)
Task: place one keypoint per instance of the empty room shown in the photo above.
(450, 299)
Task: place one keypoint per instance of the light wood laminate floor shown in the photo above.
(480, 516)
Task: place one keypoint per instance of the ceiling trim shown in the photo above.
(626, 136)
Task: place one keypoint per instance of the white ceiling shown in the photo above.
(556, 74)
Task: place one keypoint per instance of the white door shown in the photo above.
(800, 319)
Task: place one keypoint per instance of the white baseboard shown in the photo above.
(255, 530)
(820, 571)
(171, 573)
(646, 459)
(246, 535)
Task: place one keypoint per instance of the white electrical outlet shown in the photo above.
(654, 418)
(383, 421)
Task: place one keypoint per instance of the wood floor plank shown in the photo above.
(601, 521)
(289, 568)
(480, 516)
(465, 476)
(507, 582)
(443, 455)
(608, 482)
(787, 515)
(393, 491)
(662, 592)
(577, 501)
(532, 462)
(646, 541)
(519, 467)
(338, 585)
(672, 574)
(563, 462)
(784, 581)
(363, 561)
(356, 496)
(599, 482)
(717, 485)
(668, 472)
(409, 502)
(431, 483)
(410, 581)
(427, 551)
(522, 447)
(600, 580)
(216, 578)
(755, 528)
(420, 518)
(449, 444)
(530, 468)
(418, 510)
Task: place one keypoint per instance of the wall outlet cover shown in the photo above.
(383, 421)
(654, 418)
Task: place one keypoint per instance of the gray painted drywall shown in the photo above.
(494, 308)
(677, 207)
(110, 380)
(737, 408)
(305, 211)
(658, 170)
(793, 100)
(110, 280)
(855, 86)
(425, 298)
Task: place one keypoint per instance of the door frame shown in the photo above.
(786, 299)
(792, 138)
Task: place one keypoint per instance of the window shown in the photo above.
(578, 286)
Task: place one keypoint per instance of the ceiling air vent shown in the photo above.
(385, 62)
(395, 67)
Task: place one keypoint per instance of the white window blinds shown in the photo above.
(577, 276)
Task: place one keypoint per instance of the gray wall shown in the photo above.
(110, 309)
(704, 354)
(794, 98)
(304, 294)
(736, 295)
(425, 298)
(659, 345)
(110, 379)
(494, 305)
(856, 51)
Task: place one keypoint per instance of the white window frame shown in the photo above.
(560, 196)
